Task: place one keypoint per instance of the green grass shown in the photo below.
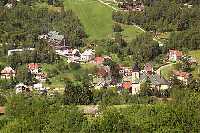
(97, 19)
(196, 54)
(71, 74)
(130, 32)
(167, 71)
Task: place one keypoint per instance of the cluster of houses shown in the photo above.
(55, 39)
(74, 55)
(132, 78)
(135, 5)
(38, 88)
(59, 43)
(177, 56)
(34, 68)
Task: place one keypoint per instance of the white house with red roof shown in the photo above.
(8, 73)
(33, 68)
(174, 55)
(87, 55)
(41, 76)
(182, 76)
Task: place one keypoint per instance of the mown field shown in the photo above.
(97, 19)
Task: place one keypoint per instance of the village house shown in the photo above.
(12, 51)
(7, 73)
(99, 60)
(103, 78)
(42, 77)
(131, 6)
(40, 89)
(125, 71)
(182, 76)
(34, 68)
(87, 55)
(141, 76)
(54, 39)
(148, 68)
(174, 55)
(22, 88)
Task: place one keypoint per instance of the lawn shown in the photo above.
(167, 71)
(97, 19)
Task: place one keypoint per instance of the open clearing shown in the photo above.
(97, 19)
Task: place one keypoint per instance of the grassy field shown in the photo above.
(97, 19)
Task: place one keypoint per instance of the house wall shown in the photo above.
(172, 57)
(164, 87)
(182, 79)
(135, 89)
(7, 76)
(135, 76)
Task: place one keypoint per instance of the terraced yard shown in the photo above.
(97, 19)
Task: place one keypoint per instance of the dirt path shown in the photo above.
(104, 3)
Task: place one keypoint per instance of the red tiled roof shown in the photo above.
(181, 74)
(8, 70)
(126, 85)
(177, 52)
(99, 60)
(33, 66)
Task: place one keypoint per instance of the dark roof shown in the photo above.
(136, 68)
(158, 80)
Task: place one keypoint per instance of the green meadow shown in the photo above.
(97, 19)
